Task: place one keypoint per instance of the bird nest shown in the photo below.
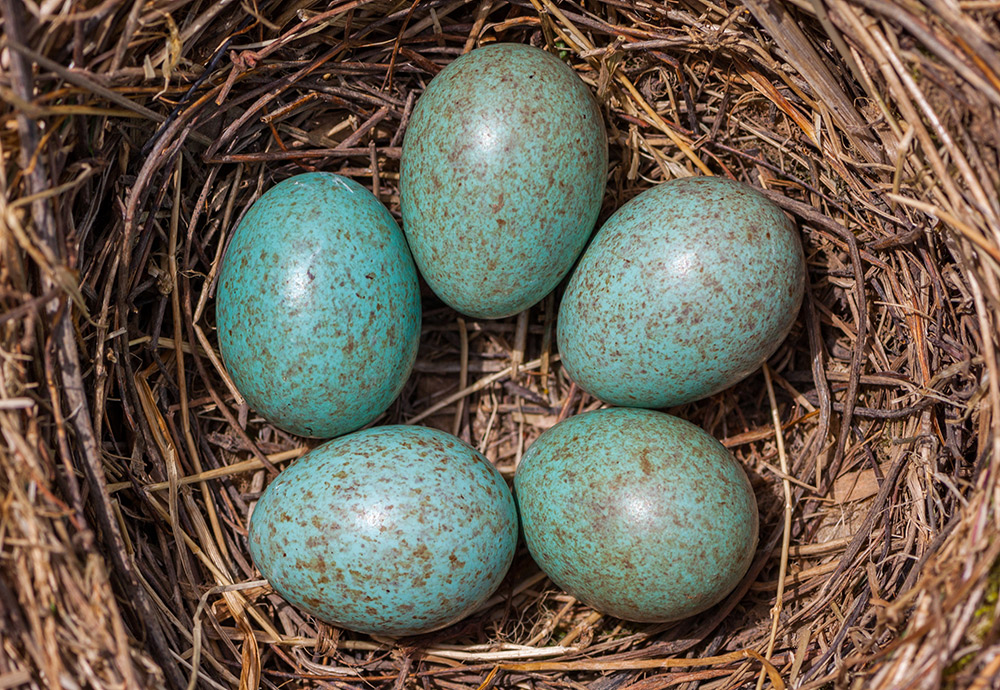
(136, 135)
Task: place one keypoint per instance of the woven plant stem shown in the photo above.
(779, 23)
(786, 532)
(69, 360)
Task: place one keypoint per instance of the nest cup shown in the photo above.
(136, 135)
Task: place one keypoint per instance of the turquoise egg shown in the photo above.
(683, 292)
(637, 514)
(502, 175)
(393, 530)
(318, 306)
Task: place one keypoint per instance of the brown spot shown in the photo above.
(644, 464)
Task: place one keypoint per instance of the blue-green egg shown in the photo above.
(318, 306)
(393, 530)
(636, 513)
(687, 289)
(502, 176)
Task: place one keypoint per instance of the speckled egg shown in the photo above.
(684, 291)
(502, 175)
(636, 513)
(318, 306)
(393, 530)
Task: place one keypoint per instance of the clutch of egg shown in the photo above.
(403, 530)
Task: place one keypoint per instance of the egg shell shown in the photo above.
(636, 513)
(393, 530)
(502, 175)
(685, 290)
(318, 306)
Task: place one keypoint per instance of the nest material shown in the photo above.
(135, 135)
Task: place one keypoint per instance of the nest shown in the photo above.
(135, 135)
